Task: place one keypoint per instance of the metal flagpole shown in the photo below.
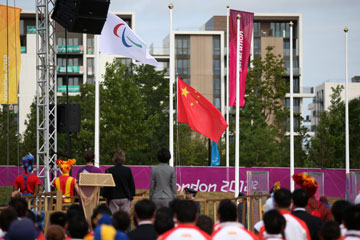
(227, 86)
(97, 102)
(171, 90)
(237, 117)
(291, 110)
(347, 150)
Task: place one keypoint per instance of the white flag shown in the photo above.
(117, 38)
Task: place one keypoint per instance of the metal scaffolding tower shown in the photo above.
(46, 137)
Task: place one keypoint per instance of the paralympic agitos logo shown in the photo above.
(124, 37)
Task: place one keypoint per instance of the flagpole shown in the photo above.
(237, 117)
(291, 110)
(227, 87)
(97, 102)
(171, 83)
(347, 150)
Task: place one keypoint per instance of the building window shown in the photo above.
(183, 66)
(257, 47)
(257, 29)
(124, 61)
(216, 46)
(282, 29)
(182, 45)
(296, 104)
(90, 43)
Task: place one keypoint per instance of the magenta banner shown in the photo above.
(246, 28)
(214, 179)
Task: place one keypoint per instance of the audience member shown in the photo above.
(205, 223)
(295, 228)
(275, 224)
(77, 227)
(270, 204)
(121, 221)
(300, 200)
(242, 206)
(325, 201)
(190, 194)
(106, 231)
(329, 231)
(89, 167)
(20, 205)
(55, 232)
(38, 220)
(7, 216)
(58, 218)
(229, 228)
(21, 229)
(74, 210)
(27, 182)
(314, 207)
(163, 180)
(186, 217)
(164, 220)
(144, 215)
(120, 196)
(337, 211)
(352, 222)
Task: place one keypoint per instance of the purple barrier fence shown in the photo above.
(212, 179)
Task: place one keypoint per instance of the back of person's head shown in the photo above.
(205, 223)
(119, 158)
(20, 205)
(186, 211)
(352, 217)
(98, 211)
(77, 227)
(274, 222)
(89, 156)
(163, 220)
(55, 232)
(330, 231)
(173, 205)
(7, 216)
(144, 209)
(21, 229)
(73, 211)
(338, 210)
(282, 198)
(121, 220)
(58, 218)
(227, 211)
(300, 197)
(164, 155)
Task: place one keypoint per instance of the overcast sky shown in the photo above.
(323, 24)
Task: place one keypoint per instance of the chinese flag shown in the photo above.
(200, 114)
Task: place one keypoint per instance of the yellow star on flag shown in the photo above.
(184, 92)
(191, 104)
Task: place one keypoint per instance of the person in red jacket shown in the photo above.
(28, 183)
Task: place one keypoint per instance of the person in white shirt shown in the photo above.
(295, 228)
(352, 223)
(338, 210)
(229, 228)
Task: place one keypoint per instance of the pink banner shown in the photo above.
(214, 179)
(246, 28)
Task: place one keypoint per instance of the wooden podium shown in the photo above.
(89, 190)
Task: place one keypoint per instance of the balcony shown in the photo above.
(72, 88)
(71, 69)
(70, 49)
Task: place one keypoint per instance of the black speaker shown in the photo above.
(68, 118)
(82, 16)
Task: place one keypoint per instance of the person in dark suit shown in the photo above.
(163, 180)
(300, 200)
(120, 196)
(144, 215)
(190, 194)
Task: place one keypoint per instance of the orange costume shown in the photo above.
(65, 183)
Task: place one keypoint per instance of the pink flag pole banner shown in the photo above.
(246, 28)
(213, 179)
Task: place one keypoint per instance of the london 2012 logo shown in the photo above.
(124, 37)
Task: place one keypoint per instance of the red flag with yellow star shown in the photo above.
(200, 114)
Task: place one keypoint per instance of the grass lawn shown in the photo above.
(5, 193)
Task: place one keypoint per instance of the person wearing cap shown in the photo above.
(21, 229)
(27, 182)
(190, 194)
(163, 180)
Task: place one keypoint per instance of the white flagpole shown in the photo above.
(292, 187)
(171, 84)
(237, 117)
(227, 87)
(347, 150)
(97, 102)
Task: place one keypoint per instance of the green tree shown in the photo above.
(9, 138)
